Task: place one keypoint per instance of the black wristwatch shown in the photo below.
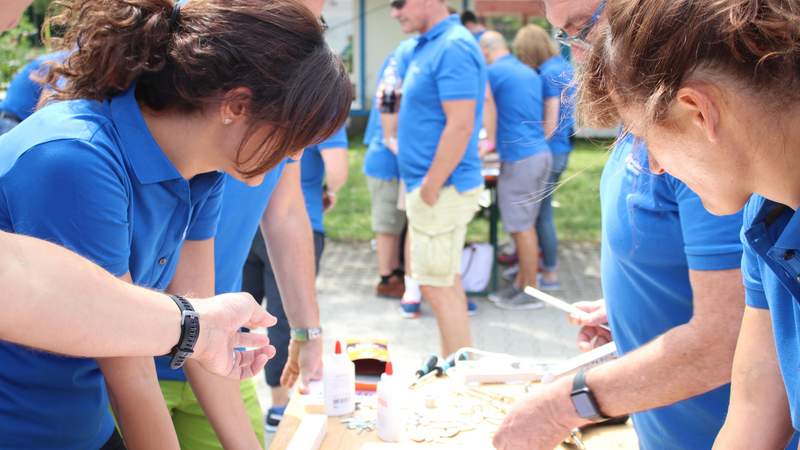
(583, 400)
(190, 331)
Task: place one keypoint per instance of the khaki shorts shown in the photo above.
(438, 232)
(386, 217)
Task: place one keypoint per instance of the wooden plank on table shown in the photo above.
(338, 437)
(309, 433)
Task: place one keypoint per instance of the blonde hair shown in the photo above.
(533, 45)
(650, 48)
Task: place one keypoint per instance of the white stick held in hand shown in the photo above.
(557, 303)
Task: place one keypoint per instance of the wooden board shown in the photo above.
(338, 437)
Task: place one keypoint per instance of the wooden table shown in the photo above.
(338, 437)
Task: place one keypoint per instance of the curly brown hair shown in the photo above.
(649, 48)
(189, 60)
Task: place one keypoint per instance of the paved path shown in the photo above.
(349, 308)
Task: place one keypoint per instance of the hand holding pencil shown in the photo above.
(590, 316)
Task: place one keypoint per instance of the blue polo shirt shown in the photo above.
(88, 175)
(771, 269)
(379, 161)
(517, 92)
(445, 65)
(557, 74)
(23, 93)
(654, 230)
(242, 208)
(312, 172)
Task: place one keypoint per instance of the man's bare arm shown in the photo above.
(453, 142)
(58, 301)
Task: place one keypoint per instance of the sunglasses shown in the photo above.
(397, 4)
(579, 40)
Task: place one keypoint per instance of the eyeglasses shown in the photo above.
(562, 37)
(397, 4)
(323, 24)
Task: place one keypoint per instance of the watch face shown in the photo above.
(583, 405)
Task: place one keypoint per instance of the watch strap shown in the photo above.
(306, 334)
(190, 331)
(579, 387)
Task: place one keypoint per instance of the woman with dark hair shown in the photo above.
(154, 101)
(719, 108)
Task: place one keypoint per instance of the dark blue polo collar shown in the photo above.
(775, 236)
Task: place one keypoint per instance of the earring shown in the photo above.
(227, 121)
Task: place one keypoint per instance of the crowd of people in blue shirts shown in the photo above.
(520, 111)
(169, 165)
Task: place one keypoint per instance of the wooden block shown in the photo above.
(499, 371)
(310, 433)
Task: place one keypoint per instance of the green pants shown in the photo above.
(193, 428)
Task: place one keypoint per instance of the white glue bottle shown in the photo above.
(390, 420)
(339, 383)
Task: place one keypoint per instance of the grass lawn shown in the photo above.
(577, 218)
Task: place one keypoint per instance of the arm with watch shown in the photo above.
(683, 362)
(287, 232)
(138, 322)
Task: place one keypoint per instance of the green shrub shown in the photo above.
(17, 49)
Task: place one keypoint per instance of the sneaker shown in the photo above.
(504, 293)
(472, 307)
(393, 288)
(547, 285)
(519, 301)
(409, 310)
(273, 419)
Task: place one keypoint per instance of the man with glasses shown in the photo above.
(674, 296)
(438, 125)
(575, 19)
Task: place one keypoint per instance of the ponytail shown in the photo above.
(111, 43)
(188, 57)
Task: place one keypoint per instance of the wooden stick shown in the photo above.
(591, 358)
(558, 303)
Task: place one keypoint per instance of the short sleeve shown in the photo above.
(710, 242)
(751, 275)
(74, 194)
(551, 85)
(458, 74)
(337, 140)
(204, 225)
